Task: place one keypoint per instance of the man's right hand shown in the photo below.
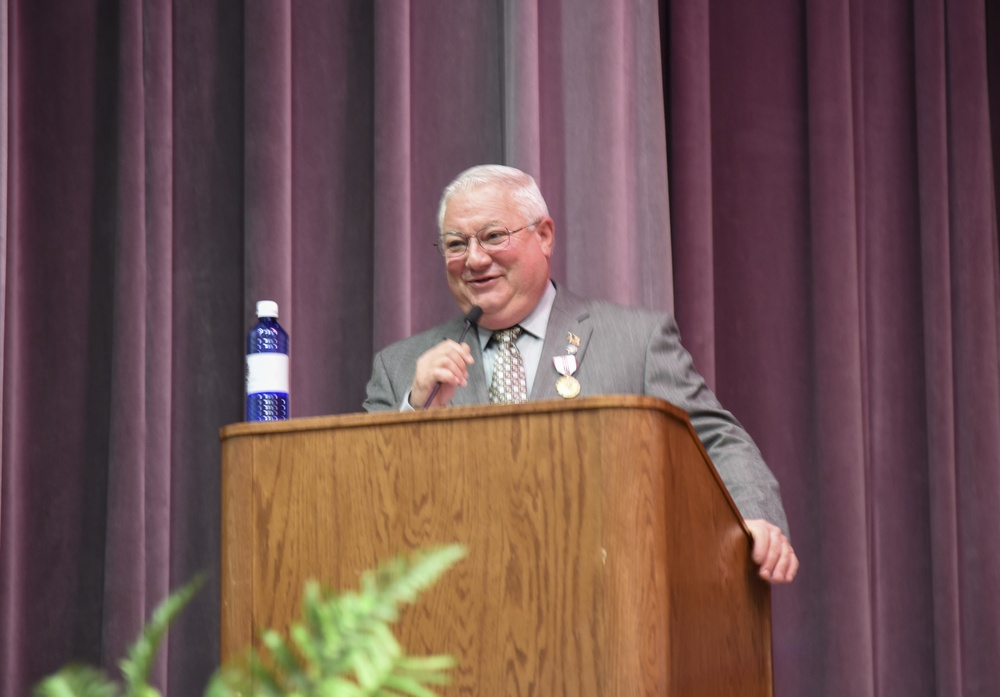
(447, 363)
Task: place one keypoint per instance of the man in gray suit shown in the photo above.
(497, 239)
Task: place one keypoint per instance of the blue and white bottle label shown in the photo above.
(267, 372)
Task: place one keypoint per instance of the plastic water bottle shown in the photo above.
(267, 366)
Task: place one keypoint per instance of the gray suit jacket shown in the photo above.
(622, 351)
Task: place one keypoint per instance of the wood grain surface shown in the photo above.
(605, 556)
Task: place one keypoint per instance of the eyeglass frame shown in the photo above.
(488, 228)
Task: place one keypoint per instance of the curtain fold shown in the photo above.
(4, 187)
(688, 74)
(442, 101)
(973, 277)
(267, 155)
(601, 86)
(208, 313)
(836, 176)
(827, 236)
(522, 94)
(136, 563)
(393, 244)
(941, 352)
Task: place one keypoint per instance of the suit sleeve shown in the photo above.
(380, 395)
(670, 375)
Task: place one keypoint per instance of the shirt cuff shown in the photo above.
(406, 406)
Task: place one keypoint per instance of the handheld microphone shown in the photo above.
(471, 317)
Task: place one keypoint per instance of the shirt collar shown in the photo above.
(536, 321)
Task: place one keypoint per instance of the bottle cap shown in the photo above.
(267, 308)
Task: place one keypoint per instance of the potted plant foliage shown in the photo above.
(342, 646)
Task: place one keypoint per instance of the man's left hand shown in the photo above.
(772, 552)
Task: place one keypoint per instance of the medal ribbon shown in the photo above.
(566, 365)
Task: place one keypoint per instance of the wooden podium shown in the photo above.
(605, 555)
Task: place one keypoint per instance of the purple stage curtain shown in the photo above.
(835, 246)
(826, 235)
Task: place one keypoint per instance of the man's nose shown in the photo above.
(476, 256)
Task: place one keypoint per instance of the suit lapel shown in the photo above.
(476, 391)
(570, 315)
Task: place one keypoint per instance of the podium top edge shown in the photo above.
(481, 411)
(314, 423)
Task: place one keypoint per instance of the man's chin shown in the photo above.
(495, 306)
(487, 301)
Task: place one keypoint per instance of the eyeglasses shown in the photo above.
(453, 245)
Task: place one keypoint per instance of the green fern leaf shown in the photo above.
(404, 685)
(344, 647)
(77, 681)
(285, 659)
(401, 583)
(425, 664)
(136, 666)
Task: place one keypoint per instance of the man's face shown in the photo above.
(508, 283)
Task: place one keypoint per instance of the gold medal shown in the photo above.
(567, 386)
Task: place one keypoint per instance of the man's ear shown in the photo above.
(546, 231)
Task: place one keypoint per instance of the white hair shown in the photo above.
(522, 188)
